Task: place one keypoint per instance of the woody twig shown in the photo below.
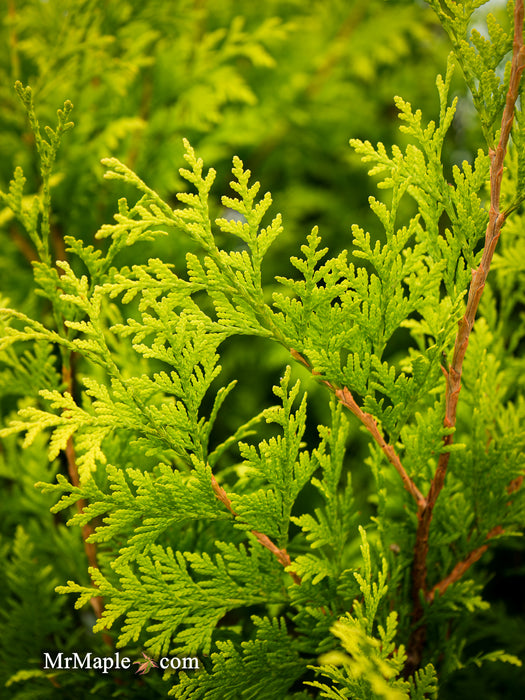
(454, 372)
(281, 554)
(345, 397)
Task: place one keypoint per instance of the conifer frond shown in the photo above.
(174, 600)
(264, 667)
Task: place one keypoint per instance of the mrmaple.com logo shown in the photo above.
(105, 664)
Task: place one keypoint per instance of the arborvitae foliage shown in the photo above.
(249, 551)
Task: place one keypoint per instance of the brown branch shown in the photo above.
(23, 245)
(59, 247)
(465, 325)
(90, 549)
(463, 566)
(281, 554)
(344, 396)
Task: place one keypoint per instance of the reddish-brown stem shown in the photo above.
(23, 245)
(344, 396)
(96, 602)
(465, 325)
(281, 554)
(57, 240)
(463, 566)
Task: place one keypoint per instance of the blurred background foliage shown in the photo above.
(284, 84)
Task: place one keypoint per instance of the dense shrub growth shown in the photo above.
(280, 436)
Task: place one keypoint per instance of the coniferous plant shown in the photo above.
(252, 552)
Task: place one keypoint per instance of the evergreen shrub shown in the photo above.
(294, 558)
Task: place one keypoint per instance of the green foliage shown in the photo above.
(291, 560)
(480, 57)
(264, 666)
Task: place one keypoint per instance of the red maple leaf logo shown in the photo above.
(144, 666)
